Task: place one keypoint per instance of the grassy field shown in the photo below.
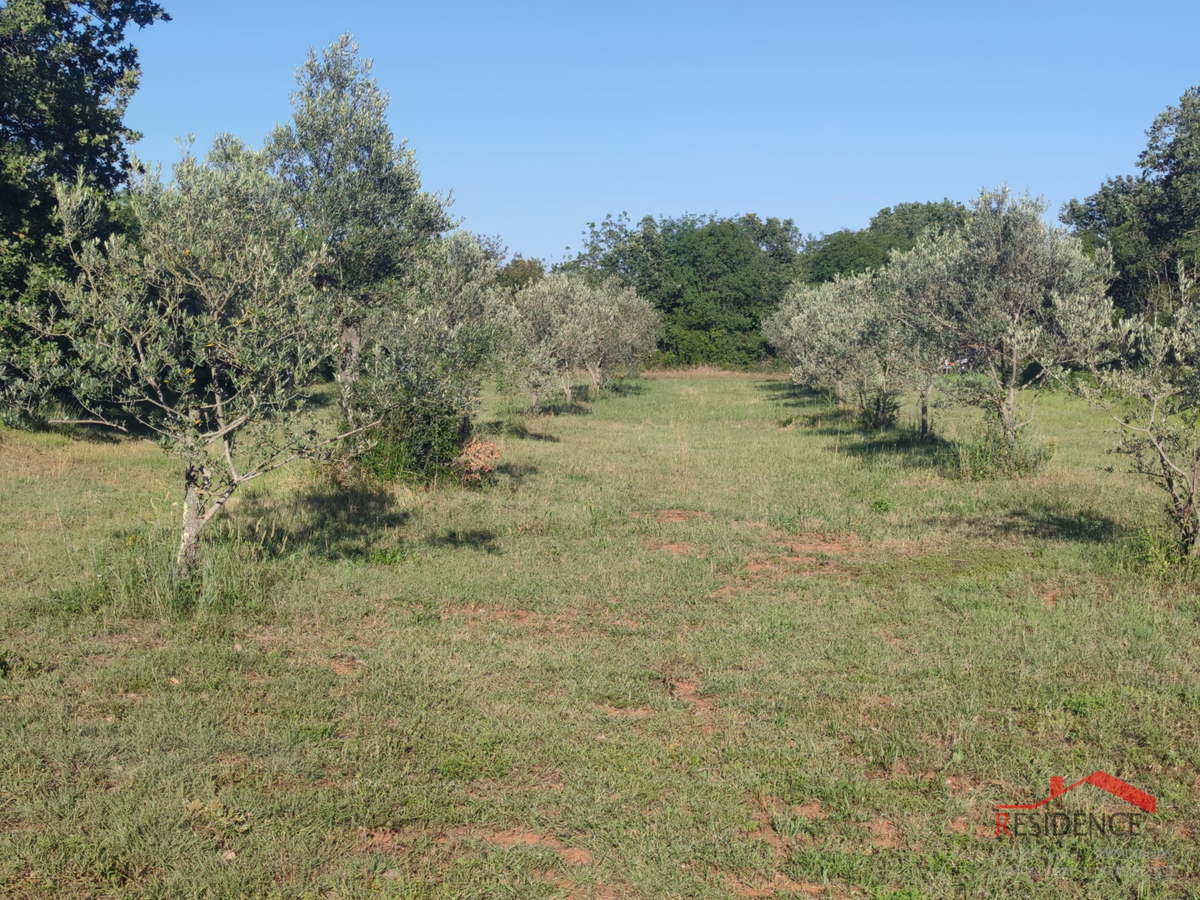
(699, 639)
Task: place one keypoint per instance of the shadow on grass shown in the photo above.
(333, 521)
(560, 406)
(913, 449)
(625, 387)
(516, 473)
(519, 430)
(1056, 522)
(95, 434)
(475, 538)
(788, 393)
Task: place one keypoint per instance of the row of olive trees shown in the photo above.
(1004, 291)
(1028, 307)
(213, 320)
(564, 324)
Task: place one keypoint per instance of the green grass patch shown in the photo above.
(673, 649)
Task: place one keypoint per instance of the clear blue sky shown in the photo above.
(543, 116)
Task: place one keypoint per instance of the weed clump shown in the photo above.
(137, 577)
(993, 454)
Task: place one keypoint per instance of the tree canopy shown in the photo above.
(849, 252)
(1149, 221)
(68, 75)
(714, 279)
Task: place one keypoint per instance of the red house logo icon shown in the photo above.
(1062, 823)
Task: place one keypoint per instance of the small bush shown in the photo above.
(992, 454)
(417, 445)
(1156, 553)
(137, 576)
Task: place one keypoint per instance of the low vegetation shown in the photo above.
(607, 673)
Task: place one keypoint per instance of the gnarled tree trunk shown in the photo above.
(196, 482)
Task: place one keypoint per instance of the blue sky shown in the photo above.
(543, 116)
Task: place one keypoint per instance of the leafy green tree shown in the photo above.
(199, 330)
(1148, 222)
(66, 77)
(714, 279)
(894, 228)
(519, 273)
(356, 193)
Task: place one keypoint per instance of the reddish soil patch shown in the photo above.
(972, 825)
(579, 891)
(633, 712)
(576, 856)
(810, 809)
(680, 515)
(780, 884)
(688, 693)
(382, 840)
(345, 665)
(807, 556)
(1049, 599)
(679, 548)
(958, 784)
(730, 590)
(883, 834)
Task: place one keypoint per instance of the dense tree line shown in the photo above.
(1149, 222)
(713, 279)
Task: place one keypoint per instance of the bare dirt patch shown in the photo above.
(680, 515)
(505, 838)
(884, 834)
(810, 555)
(380, 840)
(810, 809)
(576, 891)
(973, 825)
(957, 784)
(678, 548)
(572, 856)
(690, 694)
(633, 712)
(780, 884)
(346, 665)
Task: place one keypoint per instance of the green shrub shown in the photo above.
(137, 576)
(993, 454)
(417, 445)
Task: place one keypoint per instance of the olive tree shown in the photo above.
(356, 193)
(844, 336)
(435, 350)
(917, 291)
(1014, 283)
(553, 332)
(564, 324)
(198, 329)
(1145, 373)
(626, 330)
